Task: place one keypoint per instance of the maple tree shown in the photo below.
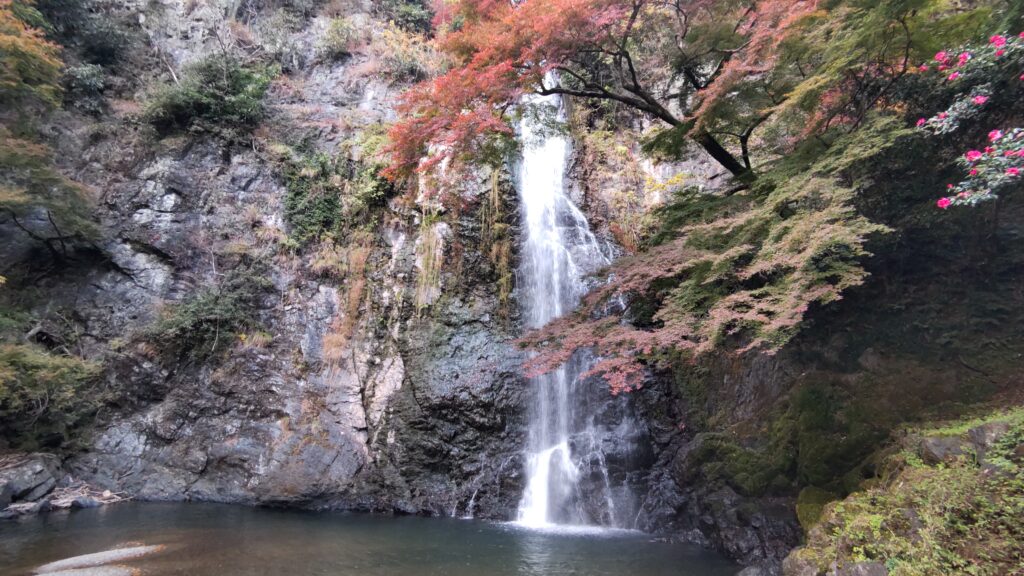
(30, 65)
(809, 95)
(743, 271)
(29, 82)
(677, 62)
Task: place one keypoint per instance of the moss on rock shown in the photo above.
(960, 515)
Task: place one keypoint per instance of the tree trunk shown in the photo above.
(723, 156)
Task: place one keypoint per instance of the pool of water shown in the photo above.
(219, 540)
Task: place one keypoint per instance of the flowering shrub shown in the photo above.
(978, 70)
(998, 164)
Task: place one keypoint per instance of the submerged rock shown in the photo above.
(97, 559)
(97, 571)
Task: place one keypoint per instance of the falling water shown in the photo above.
(558, 253)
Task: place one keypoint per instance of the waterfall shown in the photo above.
(559, 251)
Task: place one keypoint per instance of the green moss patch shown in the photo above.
(963, 515)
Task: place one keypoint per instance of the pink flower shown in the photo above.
(943, 203)
(998, 41)
(953, 76)
(1000, 52)
(973, 172)
(1021, 35)
(949, 186)
(943, 115)
(979, 100)
(941, 56)
(963, 58)
(989, 149)
(1013, 172)
(921, 122)
(923, 67)
(995, 135)
(942, 67)
(973, 156)
(1022, 77)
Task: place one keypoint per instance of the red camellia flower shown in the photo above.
(973, 172)
(943, 203)
(973, 156)
(998, 41)
(1000, 53)
(923, 67)
(942, 115)
(995, 135)
(1013, 172)
(979, 100)
(954, 76)
(941, 56)
(921, 122)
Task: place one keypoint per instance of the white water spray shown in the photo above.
(558, 251)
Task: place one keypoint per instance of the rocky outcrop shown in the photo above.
(25, 481)
(951, 484)
(362, 398)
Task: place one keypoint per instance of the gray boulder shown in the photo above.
(27, 477)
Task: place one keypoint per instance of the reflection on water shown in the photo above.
(217, 540)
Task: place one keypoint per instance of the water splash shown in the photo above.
(559, 251)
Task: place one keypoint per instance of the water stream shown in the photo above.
(566, 466)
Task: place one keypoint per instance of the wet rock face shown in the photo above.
(417, 410)
(756, 531)
(27, 478)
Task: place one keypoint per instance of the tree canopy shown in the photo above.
(802, 102)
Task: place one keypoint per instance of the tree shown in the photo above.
(744, 271)
(675, 61)
(30, 65)
(29, 83)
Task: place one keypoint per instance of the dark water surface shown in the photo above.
(216, 540)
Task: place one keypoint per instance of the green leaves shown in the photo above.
(217, 94)
(44, 398)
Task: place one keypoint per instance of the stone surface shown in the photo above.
(98, 559)
(985, 436)
(935, 450)
(97, 571)
(863, 569)
(795, 565)
(27, 477)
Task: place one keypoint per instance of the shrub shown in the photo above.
(44, 398)
(325, 193)
(339, 38)
(210, 320)
(84, 87)
(410, 15)
(405, 56)
(312, 204)
(217, 94)
(104, 40)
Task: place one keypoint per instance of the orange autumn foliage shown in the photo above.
(655, 57)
